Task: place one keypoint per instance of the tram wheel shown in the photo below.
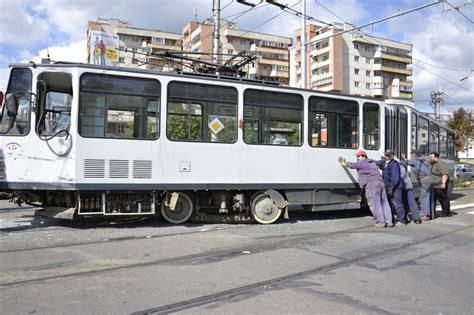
(182, 211)
(264, 209)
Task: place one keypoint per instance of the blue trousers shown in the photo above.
(426, 194)
(411, 201)
(397, 203)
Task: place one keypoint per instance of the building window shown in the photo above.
(356, 84)
(367, 48)
(367, 85)
(121, 59)
(377, 73)
(333, 123)
(273, 118)
(134, 49)
(356, 46)
(371, 127)
(230, 52)
(108, 101)
(367, 60)
(356, 58)
(367, 73)
(356, 71)
(243, 42)
(230, 40)
(201, 113)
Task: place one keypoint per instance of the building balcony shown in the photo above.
(377, 92)
(316, 65)
(159, 47)
(279, 74)
(408, 83)
(406, 95)
(317, 52)
(276, 62)
(268, 49)
(404, 71)
(392, 56)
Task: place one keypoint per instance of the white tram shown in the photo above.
(113, 141)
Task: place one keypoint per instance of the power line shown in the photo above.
(439, 76)
(240, 15)
(446, 68)
(290, 10)
(377, 21)
(457, 9)
(268, 20)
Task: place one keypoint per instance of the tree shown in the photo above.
(462, 123)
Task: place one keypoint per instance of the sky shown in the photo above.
(442, 37)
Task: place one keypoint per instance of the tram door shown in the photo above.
(396, 129)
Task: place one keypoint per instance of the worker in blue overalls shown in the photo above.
(423, 175)
(391, 177)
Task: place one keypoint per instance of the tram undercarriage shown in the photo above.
(177, 207)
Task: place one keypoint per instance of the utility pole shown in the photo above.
(303, 44)
(216, 11)
(436, 98)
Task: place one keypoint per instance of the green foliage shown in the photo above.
(462, 123)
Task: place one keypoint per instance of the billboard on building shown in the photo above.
(103, 48)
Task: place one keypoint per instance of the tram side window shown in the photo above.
(273, 118)
(434, 137)
(414, 118)
(201, 112)
(15, 118)
(371, 126)
(450, 146)
(423, 136)
(443, 145)
(333, 123)
(119, 107)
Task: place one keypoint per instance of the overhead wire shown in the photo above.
(458, 10)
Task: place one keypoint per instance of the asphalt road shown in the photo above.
(314, 263)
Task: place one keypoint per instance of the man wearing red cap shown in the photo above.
(371, 180)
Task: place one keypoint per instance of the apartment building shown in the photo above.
(137, 42)
(272, 51)
(354, 63)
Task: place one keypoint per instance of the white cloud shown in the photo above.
(75, 52)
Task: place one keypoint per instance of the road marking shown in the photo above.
(468, 205)
(470, 212)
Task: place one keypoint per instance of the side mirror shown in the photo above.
(11, 101)
(1, 98)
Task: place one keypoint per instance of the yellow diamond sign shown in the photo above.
(216, 126)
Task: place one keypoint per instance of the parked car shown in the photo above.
(464, 172)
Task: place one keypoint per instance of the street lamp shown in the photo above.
(436, 96)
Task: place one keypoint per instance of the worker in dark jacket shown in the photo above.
(391, 177)
(371, 180)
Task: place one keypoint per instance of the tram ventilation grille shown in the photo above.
(118, 168)
(142, 169)
(94, 168)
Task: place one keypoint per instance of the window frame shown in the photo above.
(333, 112)
(278, 92)
(364, 137)
(427, 152)
(33, 100)
(199, 102)
(159, 99)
